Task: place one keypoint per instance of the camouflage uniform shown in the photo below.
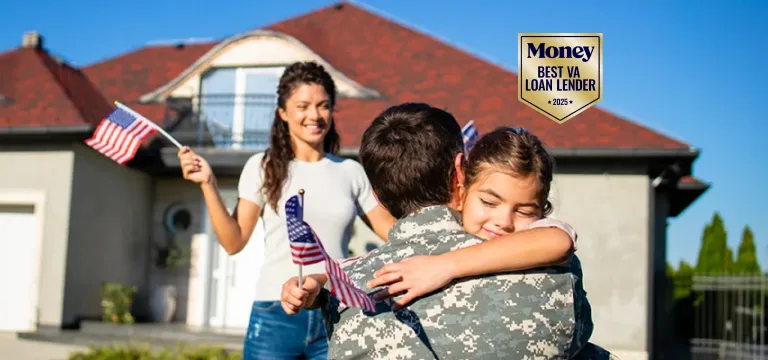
(521, 315)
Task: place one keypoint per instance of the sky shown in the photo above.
(692, 70)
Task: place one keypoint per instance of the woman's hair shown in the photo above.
(516, 152)
(280, 152)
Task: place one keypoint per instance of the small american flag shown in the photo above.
(306, 249)
(119, 135)
(469, 132)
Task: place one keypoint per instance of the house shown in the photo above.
(71, 219)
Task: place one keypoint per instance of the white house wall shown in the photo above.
(166, 193)
(612, 214)
(258, 51)
(48, 170)
(109, 231)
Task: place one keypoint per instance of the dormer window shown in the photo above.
(238, 105)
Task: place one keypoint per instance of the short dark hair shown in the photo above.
(408, 153)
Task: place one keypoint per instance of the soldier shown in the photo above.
(412, 153)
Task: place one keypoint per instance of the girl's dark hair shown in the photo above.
(280, 152)
(514, 151)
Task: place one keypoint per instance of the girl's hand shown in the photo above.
(194, 167)
(413, 277)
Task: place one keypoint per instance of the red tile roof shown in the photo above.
(400, 63)
(127, 77)
(43, 91)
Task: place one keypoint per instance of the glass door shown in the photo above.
(255, 104)
(233, 277)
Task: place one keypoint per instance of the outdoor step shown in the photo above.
(158, 335)
(179, 332)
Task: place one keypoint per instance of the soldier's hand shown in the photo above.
(293, 298)
(412, 277)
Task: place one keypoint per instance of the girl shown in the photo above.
(505, 187)
(507, 179)
(303, 141)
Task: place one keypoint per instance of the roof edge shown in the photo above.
(45, 130)
(683, 195)
(699, 185)
(613, 153)
(630, 153)
(161, 93)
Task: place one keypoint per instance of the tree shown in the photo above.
(714, 257)
(685, 269)
(746, 261)
(683, 279)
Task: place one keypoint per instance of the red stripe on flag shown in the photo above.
(117, 143)
(305, 252)
(134, 145)
(344, 289)
(127, 138)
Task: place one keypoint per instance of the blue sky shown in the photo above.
(692, 70)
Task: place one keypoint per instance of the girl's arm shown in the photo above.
(522, 250)
(547, 242)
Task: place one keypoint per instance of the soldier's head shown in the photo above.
(412, 155)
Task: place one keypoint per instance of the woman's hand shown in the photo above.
(194, 167)
(413, 277)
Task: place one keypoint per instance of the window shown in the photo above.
(238, 105)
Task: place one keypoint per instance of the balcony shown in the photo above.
(223, 121)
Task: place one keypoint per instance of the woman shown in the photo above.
(303, 142)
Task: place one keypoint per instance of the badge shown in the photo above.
(560, 75)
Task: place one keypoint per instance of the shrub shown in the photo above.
(121, 352)
(116, 301)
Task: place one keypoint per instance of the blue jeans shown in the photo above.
(273, 334)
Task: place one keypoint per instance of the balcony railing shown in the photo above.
(224, 121)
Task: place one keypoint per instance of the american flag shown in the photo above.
(306, 249)
(469, 132)
(119, 135)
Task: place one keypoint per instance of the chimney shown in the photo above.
(32, 39)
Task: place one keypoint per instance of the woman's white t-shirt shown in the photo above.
(336, 190)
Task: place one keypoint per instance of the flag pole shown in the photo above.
(301, 195)
(150, 123)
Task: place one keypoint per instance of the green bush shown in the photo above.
(116, 301)
(119, 352)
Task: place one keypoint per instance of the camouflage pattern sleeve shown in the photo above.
(521, 315)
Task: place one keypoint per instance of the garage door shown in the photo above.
(19, 263)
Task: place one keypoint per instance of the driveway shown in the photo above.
(21, 349)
